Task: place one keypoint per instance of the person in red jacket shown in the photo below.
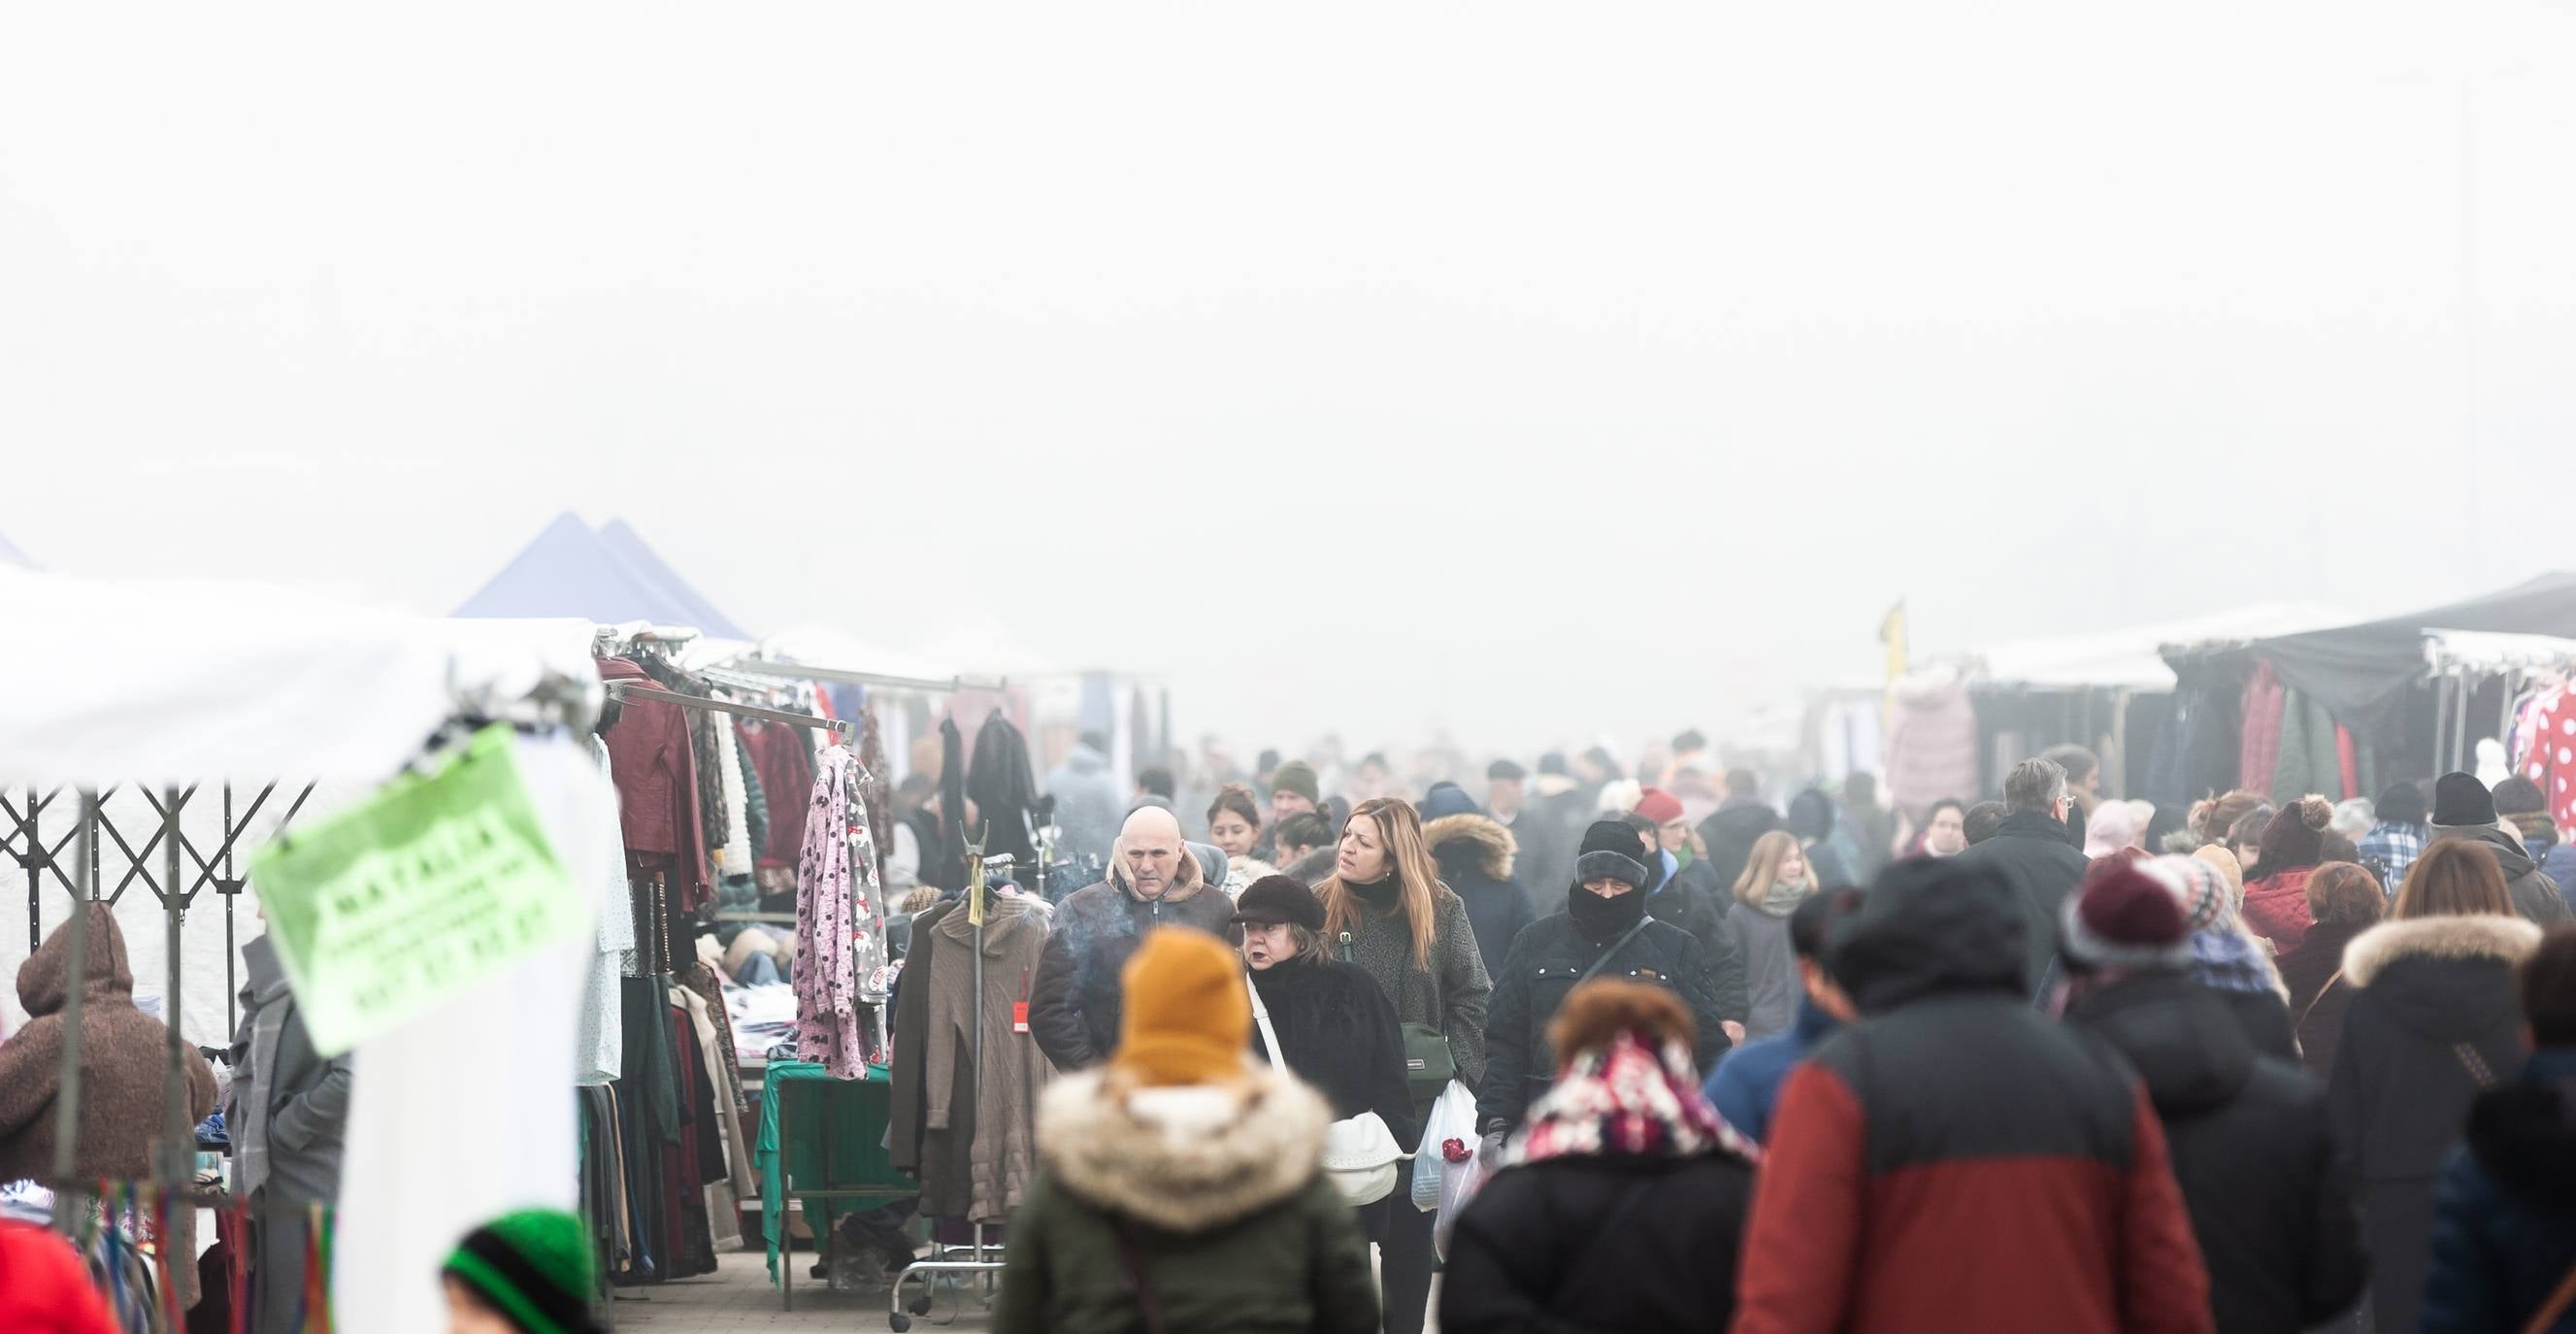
(44, 1286)
(1956, 1161)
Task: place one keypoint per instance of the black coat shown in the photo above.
(1074, 1001)
(1337, 1031)
(1545, 964)
(1729, 836)
(2034, 853)
(2433, 1020)
(1477, 856)
(1562, 1245)
(2250, 1147)
(2507, 1230)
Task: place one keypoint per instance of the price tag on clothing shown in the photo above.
(1019, 1016)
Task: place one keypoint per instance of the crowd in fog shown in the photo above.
(2037, 1059)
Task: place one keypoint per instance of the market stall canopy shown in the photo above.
(11, 555)
(834, 649)
(2128, 656)
(608, 576)
(2359, 671)
(187, 681)
(2488, 651)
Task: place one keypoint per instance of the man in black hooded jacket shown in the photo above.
(1604, 932)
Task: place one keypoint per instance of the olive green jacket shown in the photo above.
(1220, 1189)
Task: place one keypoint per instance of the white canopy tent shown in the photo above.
(2128, 656)
(149, 686)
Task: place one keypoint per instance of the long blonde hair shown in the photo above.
(1762, 869)
(1408, 858)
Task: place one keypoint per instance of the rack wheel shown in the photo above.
(898, 1322)
(920, 1305)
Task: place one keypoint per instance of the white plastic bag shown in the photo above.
(1453, 1116)
(1459, 1183)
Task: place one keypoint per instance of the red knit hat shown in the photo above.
(1659, 806)
(2124, 916)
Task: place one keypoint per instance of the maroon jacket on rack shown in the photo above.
(786, 768)
(656, 771)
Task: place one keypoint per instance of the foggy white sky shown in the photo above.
(1535, 371)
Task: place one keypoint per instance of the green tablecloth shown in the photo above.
(842, 1121)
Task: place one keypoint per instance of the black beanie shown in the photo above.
(2402, 803)
(2461, 801)
(1610, 848)
(1277, 898)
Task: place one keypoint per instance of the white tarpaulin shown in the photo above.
(186, 681)
(115, 684)
(2128, 656)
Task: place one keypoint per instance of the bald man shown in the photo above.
(1153, 881)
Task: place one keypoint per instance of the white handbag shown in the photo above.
(1360, 1153)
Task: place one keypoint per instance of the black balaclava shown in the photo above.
(1610, 849)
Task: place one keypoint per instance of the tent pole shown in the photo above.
(178, 1153)
(67, 1206)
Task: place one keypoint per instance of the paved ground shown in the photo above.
(739, 1296)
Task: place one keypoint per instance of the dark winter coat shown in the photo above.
(1746, 1087)
(1545, 964)
(2505, 1233)
(1074, 1001)
(1695, 902)
(2433, 1019)
(305, 1097)
(2555, 858)
(1957, 1152)
(1476, 855)
(1599, 1243)
(1542, 860)
(1338, 1032)
(2043, 865)
(2319, 994)
(1729, 836)
(2535, 895)
(124, 1059)
(2250, 1148)
(1220, 1196)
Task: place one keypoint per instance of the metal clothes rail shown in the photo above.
(641, 693)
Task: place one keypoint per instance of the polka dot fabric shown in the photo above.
(2550, 759)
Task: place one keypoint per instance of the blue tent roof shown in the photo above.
(623, 542)
(571, 571)
(11, 555)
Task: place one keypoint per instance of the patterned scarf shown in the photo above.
(2229, 960)
(1626, 1100)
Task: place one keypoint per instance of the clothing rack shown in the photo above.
(799, 672)
(622, 690)
(945, 1258)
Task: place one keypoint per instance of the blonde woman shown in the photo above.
(1776, 880)
(1386, 910)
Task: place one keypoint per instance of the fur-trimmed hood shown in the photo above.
(2483, 936)
(1186, 1159)
(1473, 839)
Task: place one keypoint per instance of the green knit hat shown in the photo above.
(536, 1266)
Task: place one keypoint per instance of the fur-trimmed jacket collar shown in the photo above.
(1187, 1159)
(2483, 936)
(1473, 839)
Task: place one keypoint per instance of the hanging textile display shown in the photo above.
(602, 1033)
(828, 881)
(2547, 755)
(998, 781)
(1003, 1088)
(876, 794)
(1932, 744)
(2259, 744)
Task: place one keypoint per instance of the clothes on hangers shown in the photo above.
(827, 981)
(876, 792)
(602, 1033)
(2259, 745)
(1003, 789)
(1005, 1086)
(786, 772)
(653, 761)
(734, 856)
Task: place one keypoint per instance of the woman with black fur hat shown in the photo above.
(1604, 932)
(1334, 1025)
